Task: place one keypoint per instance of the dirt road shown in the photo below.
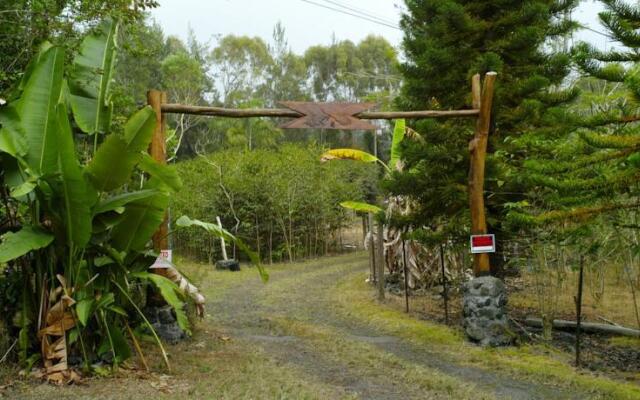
(295, 321)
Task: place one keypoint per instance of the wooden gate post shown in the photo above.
(482, 100)
(380, 261)
(158, 151)
(372, 251)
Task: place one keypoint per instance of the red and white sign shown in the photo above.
(167, 255)
(483, 244)
(164, 260)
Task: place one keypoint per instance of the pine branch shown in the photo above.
(609, 184)
(605, 141)
(581, 214)
(552, 166)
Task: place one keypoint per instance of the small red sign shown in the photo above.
(483, 244)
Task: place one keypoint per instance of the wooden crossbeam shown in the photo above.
(173, 108)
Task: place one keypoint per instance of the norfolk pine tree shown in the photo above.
(589, 165)
(446, 42)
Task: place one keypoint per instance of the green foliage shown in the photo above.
(88, 96)
(249, 72)
(18, 244)
(76, 223)
(37, 110)
(27, 24)
(217, 231)
(591, 167)
(446, 43)
(398, 136)
(284, 203)
(361, 207)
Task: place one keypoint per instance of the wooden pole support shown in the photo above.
(406, 277)
(578, 301)
(478, 150)
(381, 261)
(158, 152)
(372, 249)
(476, 92)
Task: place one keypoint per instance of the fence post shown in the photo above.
(372, 249)
(381, 262)
(445, 295)
(406, 277)
(578, 301)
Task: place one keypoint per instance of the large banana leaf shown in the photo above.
(165, 173)
(11, 134)
(75, 191)
(26, 75)
(17, 244)
(362, 207)
(116, 158)
(138, 130)
(112, 164)
(122, 200)
(185, 222)
(140, 220)
(349, 154)
(90, 78)
(398, 135)
(37, 108)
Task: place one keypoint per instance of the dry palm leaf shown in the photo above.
(58, 319)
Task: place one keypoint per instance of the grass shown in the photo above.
(218, 365)
(210, 366)
(599, 301)
(534, 362)
(203, 369)
(366, 358)
(622, 341)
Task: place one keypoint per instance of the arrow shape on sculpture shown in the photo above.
(340, 116)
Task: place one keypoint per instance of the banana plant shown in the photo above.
(90, 77)
(395, 162)
(419, 259)
(80, 232)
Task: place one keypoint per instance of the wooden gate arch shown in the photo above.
(352, 116)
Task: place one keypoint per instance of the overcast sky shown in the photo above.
(308, 22)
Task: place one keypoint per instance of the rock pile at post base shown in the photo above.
(485, 312)
(164, 323)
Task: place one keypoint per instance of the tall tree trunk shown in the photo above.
(258, 237)
(315, 241)
(270, 242)
(287, 240)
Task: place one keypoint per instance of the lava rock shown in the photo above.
(164, 323)
(165, 315)
(171, 333)
(485, 313)
(228, 265)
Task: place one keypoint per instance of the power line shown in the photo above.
(352, 14)
(361, 11)
(367, 16)
(597, 32)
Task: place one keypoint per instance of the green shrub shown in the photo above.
(284, 202)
